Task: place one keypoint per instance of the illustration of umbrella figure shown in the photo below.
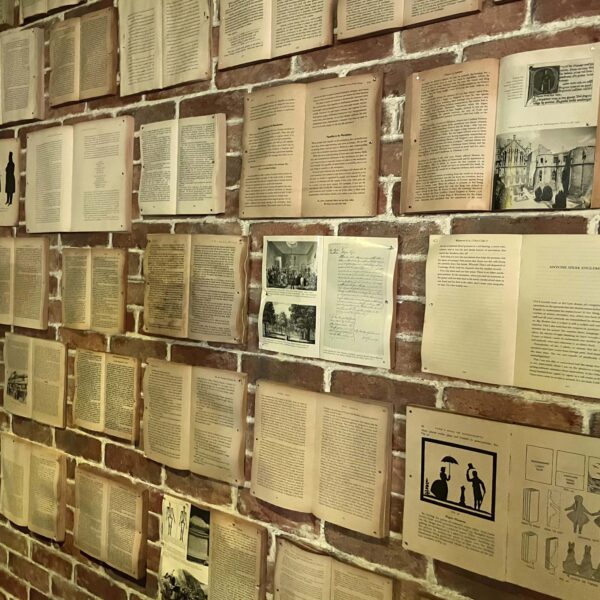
(451, 461)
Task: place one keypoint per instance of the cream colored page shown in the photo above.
(245, 32)
(14, 499)
(10, 157)
(7, 12)
(237, 559)
(140, 45)
(301, 25)
(30, 295)
(356, 17)
(449, 138)
(17, 375)
(88, 405)
(201, 165)
(218, 288)
(121, 397)
(301, 575)
(341, 154)
(108, 289)
(7, 273)
(359, 296)
(167, 390)
(273, 142)
(187, 28)
(218, 424)
(64, 61)
(91, 509)
(49, 180)
(456, 491)
(559, 310)
(351, 583)
(167, 284)
(284, 454)
(158, 181)
(103, 152)
(471, 310)
(76, 287)
(30, 8)
(420, 11)
(48, 368)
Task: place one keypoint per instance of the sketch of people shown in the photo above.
(9, 183)
(579, 514)
(570, 566)
(585, 568)
(478, 487)
(170, 519)
(439, 488)
(182, 523)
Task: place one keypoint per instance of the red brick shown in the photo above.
(13, 585)
(390, 161)
(217, 227)
(67, 591)
(230, 103)
(202, 488)
(396, 514)
(203, 357)
(409, 316)
(256, 73)
(52, 561)
(301, 374)
(139, 348)
(137, 237)
(86, 340)
(30, 572)
(558, 10)
(31, 430)
(98, 585)
(411, 277)
(78, 240)
(132, 463)
(13, 540)
(259, 230)
(233, 170)
(79, 444)
(150, 114)
(408, 358)
(534, 223)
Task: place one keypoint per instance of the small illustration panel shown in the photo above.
(593, 482)
(531, 505)
(570, 470)
(529, 548)
(539, 462)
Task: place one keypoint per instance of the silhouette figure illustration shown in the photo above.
(10, 184)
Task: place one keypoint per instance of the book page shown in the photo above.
(7, 273)
(167, 284)
(273, 144)
(103, 162)
(456, 492)
(187, 29)
(470, 328)
(140, 45)
(357, 18)
(10, 157)
(167, 413)
(341, 154)
(88, 404)
(547, 129)
(49, 380)
(237, 559)
(158, 179)
(420, 11)
(359, 299)
(14, 497)
(283, 461)
(245, 32)
(449, 128)
(218, 288)
(98, 59)
(49, 180)
(31, 8)
(64, 61)
(201, 165)
(17, 373)
(121, 418)
(300, 574)
(31, 283)
(7, 12)
(218, 424)
(559, 306)
(91, 507)
(352, 583)
(76, 287)
(353, 464)
(108, 289)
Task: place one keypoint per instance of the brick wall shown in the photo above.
(30, 567)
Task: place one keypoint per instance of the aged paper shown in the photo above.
(76, 288)
(7, 273)
(30, 280)
(65, 37)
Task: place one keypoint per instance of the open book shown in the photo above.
(262, 29)
(106, 393)
(330, 297)
(33, 486)
(183, 166)
(35, 375)
(22, 75)
(514, 310)
(10, 181)
(323, 454)
(111, 520)
(312, 150)
(298, 571)
(83, 57)
(515, 133)
(79, 177)
(93, 288)
(164, 43)
(24, 282)
(196, 287)
(510, 502)
(357, 17)
(195, 419)
(34, 8)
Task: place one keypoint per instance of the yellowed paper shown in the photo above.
(108, 289)
(65, 38)
(31, 283)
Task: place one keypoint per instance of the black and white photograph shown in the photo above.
(180, 584)
(16, 386)
(198, 535)
(543, 81)
(290, 322)
(291, 265)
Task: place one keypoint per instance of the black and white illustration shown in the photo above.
(459, 477)
(539, 464)
(291, 265)
(198, 535)
(16, 386)
(180, 584)
(553, 509)
(529, 548)
(290, 322)
(551, 555)
(531, 505)
(543, 81)
(570, 470)
(593, 475)
(579, 562)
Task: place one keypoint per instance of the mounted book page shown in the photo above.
(196, 287)
(107, 393)
(514, 310)
(511, 134)
(24, 282)
(510, 502)
(35, 372)
(83, 57)
(357, 17)
(111, 520)
(183, 166)
(305, 458)
(312, 150)
(10, 183)
(7, 13)
(330, 297)
(34, 486)
(79, 177)
(93, 288)
(35, 8)
(262, 29)
(298, 571)
(195, 419)
(164, 43)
